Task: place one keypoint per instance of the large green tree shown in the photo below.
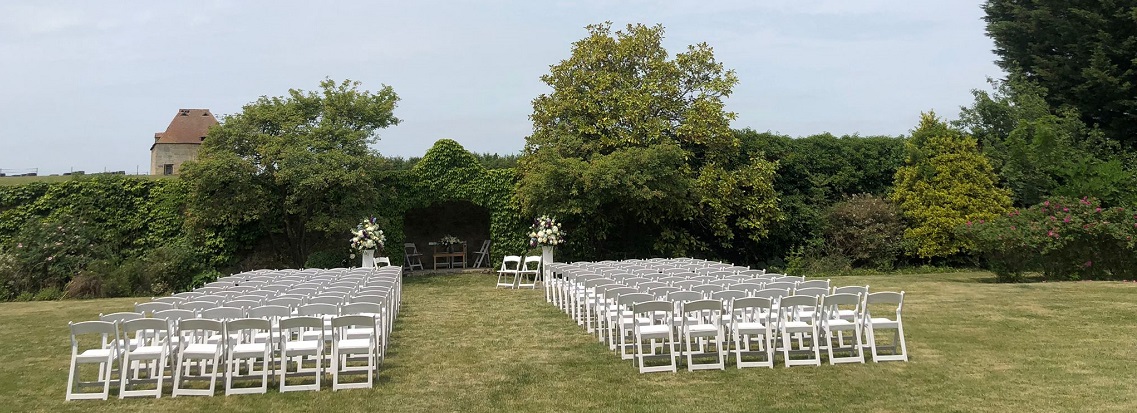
(945, 182)
(1042, 152)
(1081, 51)
(298, 167)
(633, 150)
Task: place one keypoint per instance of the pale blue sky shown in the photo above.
(85, 85)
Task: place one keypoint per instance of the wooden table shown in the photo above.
(447, 256)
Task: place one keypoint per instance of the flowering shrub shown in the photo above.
(545, 231)
(367, 236)
(1063, 238)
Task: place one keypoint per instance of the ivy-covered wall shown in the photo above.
(448, 172)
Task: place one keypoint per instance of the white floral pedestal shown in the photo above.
(368, 258)
(546, 259)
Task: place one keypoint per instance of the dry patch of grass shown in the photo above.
(461, 345)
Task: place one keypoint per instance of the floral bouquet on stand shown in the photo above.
(545, 231)
(367, 236)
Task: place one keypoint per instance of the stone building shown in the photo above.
(180, 141)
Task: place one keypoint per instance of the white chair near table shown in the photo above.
(508, 273)
(529, 273)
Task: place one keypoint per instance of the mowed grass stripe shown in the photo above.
(461, 345)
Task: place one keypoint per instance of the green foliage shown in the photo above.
(1041, 153)
(1082, 52)
(813, 173)
(867, 229)
(632, 150)
(1063, 238)
(331, 258)
(297, 166)
(944, 183)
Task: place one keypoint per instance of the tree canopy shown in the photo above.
(1082, 52)
(297, 167)
(633, 149)
(945, 182)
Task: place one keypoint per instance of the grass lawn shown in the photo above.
(461, 345)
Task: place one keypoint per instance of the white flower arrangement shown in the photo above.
(450, 240)
(545, 231)
(367, 236)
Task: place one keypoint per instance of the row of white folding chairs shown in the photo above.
(755, 326)
(270, 294)
(592, 301)
(212, 342)
(316, 281)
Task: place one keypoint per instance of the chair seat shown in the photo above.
(201, 350)
(301, 346)
(355, 345)
(248, 349)
(702, 329)
(654, 331)
(798, 326)
(750, 328)
(840, 324)
(94, 355)
(883, 322)
(152, 351)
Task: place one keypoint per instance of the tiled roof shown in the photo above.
(188, 126)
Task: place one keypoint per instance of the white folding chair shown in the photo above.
(98, 354)
(626, 326)
(791, 323)
(152, 336)
(653, 323)
(243, 348)
(832, 322)
(507, 275)
(873, 323)
(295, 348)
(751, 324)
(702, 327)
(152, 306)
(530, 272)
(196, 334)
(343, 348)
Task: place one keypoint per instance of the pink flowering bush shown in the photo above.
(1061, 238)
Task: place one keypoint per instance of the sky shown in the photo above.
(84, 85)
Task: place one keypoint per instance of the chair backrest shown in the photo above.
(148, 331)
(662, 292)
(647, 286)
(223, 313)
(152, 306)
(243, 330)
(532, 263)
(816, 292)
(485, 248)
(258, 296)
(244, 304)
(511, 263)
(814, 284)
(318, 310)
(612, 294)
(749, 287)
(270, 312)
(790, 307)
(627, 300)
(686, 284)
(353, 321)
(327, 299)
(727, 295)
(886, 297)
(302, 324)
(361, 308)
(197, 330)
(836, 302)
(789, 278)
(781, 285)
(635, 281)
(120, 317)
(198, 306)
(852, 289)
(671, 279)
(656, 312)
(286, 301)
(752, 272)
(684, 296)
(707, 289)
(108, 331)
(410, 248)
(174, 315)
(759, 309)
